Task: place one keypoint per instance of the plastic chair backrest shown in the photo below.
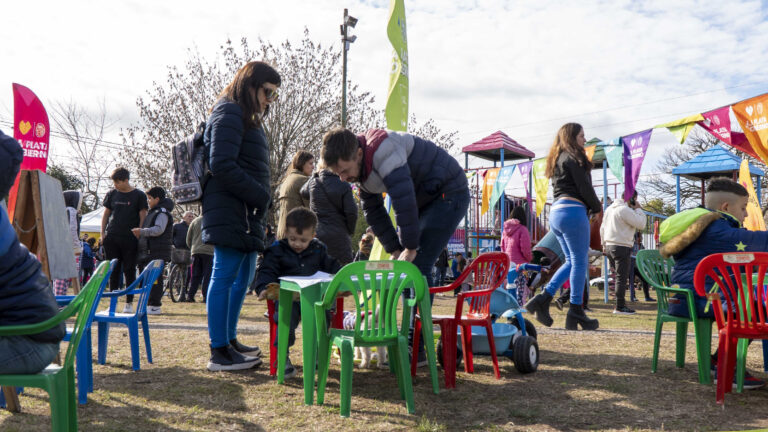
(377, 287)
(657, 271)
(737, 275)
(489, 272)
(95, 288)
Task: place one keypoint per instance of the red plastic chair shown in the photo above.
(490, 271)
(744, 315)
(338, 322)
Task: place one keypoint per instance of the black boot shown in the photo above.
(227, 359)
(576, 316)
(540, 306)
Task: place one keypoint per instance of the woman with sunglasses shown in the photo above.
(235, 204)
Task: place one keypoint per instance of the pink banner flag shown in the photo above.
(635, 147)
(718, 123)
(32, 131)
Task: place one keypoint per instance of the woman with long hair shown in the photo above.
(575, 199)
(236, 200)
(289, 193)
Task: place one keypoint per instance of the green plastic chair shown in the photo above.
(657, 271)
(375, 286)
(59, 381)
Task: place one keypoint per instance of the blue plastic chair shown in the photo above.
(84, 359)
(145, 281)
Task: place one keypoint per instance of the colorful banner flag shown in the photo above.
(680, 128)
(396, 111)
(718, 123)
(590, 151)
(540, 183)
(31, 129)
(505, 174)
(635, 147)
(754, 220)
(524, 169)
(488, 181)
(752, 115)
(377, 250)
(614, 154)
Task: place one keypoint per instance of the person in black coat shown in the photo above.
(332, 201)
(236, 199)
(25, 297)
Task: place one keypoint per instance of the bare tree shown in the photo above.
(662, 186)
(91, 157)
(430, 131)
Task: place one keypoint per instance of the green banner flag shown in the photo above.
(396, 111)
(614, 154)
(540, 184)
(505, 175)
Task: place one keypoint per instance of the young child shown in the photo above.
(691, 235)
(298, 254)
(516, 243)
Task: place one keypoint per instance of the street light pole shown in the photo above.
(349, 21)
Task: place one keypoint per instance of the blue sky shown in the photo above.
(616, 67)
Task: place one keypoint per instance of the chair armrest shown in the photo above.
(63, 300)
(445, 288)
(30, 329)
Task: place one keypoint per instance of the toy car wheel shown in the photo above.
(526, 354)
(439, 349)
(530, 330)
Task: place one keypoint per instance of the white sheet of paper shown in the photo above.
(305, 281)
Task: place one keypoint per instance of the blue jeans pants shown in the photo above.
(22, 355)
(233, 272)
(569, 222)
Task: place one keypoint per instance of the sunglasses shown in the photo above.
(270, 94)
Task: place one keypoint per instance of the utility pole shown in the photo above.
(349, 21)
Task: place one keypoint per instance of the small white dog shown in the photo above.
(365, 354)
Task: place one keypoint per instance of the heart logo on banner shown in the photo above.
(633, 143)
(716, 119)
(24, 127)
(760, 108)
(749, 110)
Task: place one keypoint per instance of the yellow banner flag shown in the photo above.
(752, 115)
(377, 250)
(540, 184)
(488, 182)
(754, 220)
(590, 152)
(680, 128)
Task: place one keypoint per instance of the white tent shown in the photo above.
(91, 222)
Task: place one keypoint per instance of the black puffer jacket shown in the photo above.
(237, 196)
(332, 201)
(157, 247)
(25, 297)
(281, 260)
(570, 179)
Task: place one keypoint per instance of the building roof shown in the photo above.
(490, 148)
(716, 161)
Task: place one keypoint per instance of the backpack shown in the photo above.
(190, 168)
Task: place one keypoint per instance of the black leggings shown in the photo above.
(202, 265)
(124, 249)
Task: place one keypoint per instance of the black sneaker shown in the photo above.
(559, 303)
(750, 382)
(227, 359)
(421, 359)
(650, 299)
(290, 370)
(252, 351)
(623, 310)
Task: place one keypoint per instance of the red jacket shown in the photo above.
(516, 242)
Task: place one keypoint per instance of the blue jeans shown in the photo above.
(569, 222)
(233, 272)
(437, 222)
(22, 355)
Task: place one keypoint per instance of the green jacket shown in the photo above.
(195, 238)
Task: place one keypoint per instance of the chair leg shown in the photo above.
(681, 334)
(721, 365)
(272, 338)
(72, 403)
(415, 351)
(57, 394)
(741, 363)
(103, 341)
(656, 343)
(147, 343)
(82, 372)
(448, 337)
(492, 346)
(466, 346)
(703, 331)
(133, 336)
(345, 387)
(407, 385)
(765, 355)
(89, 361)
(324, 362)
